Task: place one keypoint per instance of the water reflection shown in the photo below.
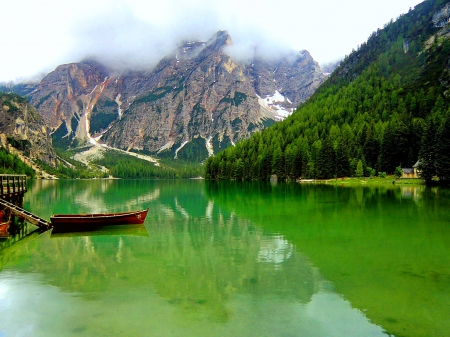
(230, 259)
(275, 250)
(50, 197)
(384, 248)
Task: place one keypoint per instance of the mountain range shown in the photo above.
(196, 101)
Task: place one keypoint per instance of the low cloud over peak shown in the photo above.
(138, 33)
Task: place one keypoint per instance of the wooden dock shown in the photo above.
(28, 216)
(13, 187)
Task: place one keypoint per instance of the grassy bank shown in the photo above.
(392, 180)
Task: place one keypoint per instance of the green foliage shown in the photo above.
(398, 172)
(101, 121)
(11, 101)
(443, 151)
(23, 145)
(371, 112)
(382, 174)
(12, 97)
(222, 144)
(239, 97)
(359, 169)
(194, 151)
(76, 170)
(11, 106)
(74, 123)
(60, 137)
(427, 156)
(11, 164)
(236, 100)
(154, 95)
(371, 172)
(128, 167)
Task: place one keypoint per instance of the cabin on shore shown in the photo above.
(411, 173)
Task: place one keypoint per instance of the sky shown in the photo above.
(37, 36)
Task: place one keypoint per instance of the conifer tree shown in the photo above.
(359, 169)
(427, 155)
(443, 151)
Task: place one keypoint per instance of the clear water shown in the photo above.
(233, 259)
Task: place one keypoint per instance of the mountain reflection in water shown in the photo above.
(216, 262)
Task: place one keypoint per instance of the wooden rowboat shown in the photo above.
(4, 229)
(81, 222)
(4, 225)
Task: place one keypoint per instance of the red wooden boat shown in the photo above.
(80, 222)
(4, 225)
(4, 229)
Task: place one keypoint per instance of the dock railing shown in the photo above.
(12, 184)
(13, 187)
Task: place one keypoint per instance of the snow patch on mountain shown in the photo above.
(275, 103)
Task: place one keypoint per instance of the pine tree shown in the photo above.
(278, 162)
(427, 154)
(443, 151)
(326, 162)
(359, 169)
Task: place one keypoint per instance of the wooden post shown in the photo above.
(12, 185)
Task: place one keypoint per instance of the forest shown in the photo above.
(11, 164)
(385, 106)
(128, 167)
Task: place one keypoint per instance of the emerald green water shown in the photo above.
(233, 259)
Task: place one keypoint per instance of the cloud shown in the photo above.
(129, 36)
(40, 35)
(136, 35)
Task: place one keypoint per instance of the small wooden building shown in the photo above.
(412, 172)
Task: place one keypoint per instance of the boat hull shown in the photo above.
(4, 230)
(83, 222)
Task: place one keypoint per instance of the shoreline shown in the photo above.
(391, 180)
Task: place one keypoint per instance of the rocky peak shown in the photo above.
(220, 39)
(189, 50)
(284, 83)
(61, 93)
(216, 44)
(196, 101)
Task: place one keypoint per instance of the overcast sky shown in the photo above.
(37, 36)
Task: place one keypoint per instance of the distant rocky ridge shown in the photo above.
(195, 102)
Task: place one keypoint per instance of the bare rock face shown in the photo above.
(68, 93)
(442, 17)
(24, 129)
(195, 102)
(285, 83)
(200, 96)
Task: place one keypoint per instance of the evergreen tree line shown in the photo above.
(11, 164)
(126, 167)
(435, 150)
(384, 107)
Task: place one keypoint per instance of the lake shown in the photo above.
(232, 259)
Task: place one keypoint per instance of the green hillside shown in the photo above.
(386, 105)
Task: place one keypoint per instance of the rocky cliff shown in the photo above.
(196, 101)
(23, 129)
